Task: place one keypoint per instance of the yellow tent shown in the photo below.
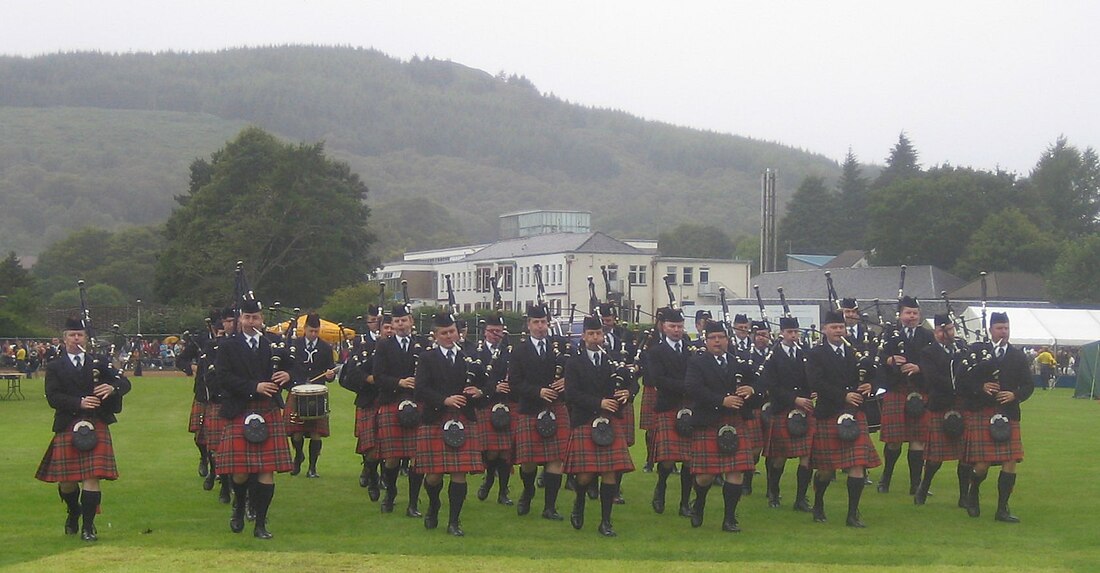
(330, 332)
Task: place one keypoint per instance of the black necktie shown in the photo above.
(77, 362)
(596, 359)
(677, 348)
(451, 356)
(252, 342)
(839, 351)
(542, 348)
(909, 333)
(404, 345)
(791, 351)
(722, 362)
(1000, 352)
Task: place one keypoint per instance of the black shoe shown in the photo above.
(431, 521)
(236, 523)
(455, 529)
(524, 505)
(203, 470)
(920, 496)
(1003, 514)
(883, 487)
(773, 502)
(552, 514)
(364, 478)
(593, 491)
(223, 495)
(208, 483)
(685, 510)
(731, 526)
(746, 489)
(648, 468)
(312, 473)
(696, 519)
(249, 513)
(819, 515)
(538, 481)
(297, 469)
(373, 492)
(658, 502)
(802, 504)
(619, 499)
(413, 511)
(867, 480)
(576, 519)
(387, 506)
(483, 491)
(503, 499)
(854, 521)
(605, 529)
(72, 523)
(962, 501)
(88, 535)
(261, 532)
(973, 509)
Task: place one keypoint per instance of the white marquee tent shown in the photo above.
(1042, 326)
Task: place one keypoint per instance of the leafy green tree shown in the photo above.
(414, 223)
(1066, 187)
(99, 294)
(812, 217)
(124, 259)
(13, 275)
(296, 218)
(854, 195)
(1076, 275)
(929, 219)
(347, 303)
(901, 164)
(1008, 241)
(694, 240)
(748, 249)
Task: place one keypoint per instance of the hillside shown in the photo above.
(105, 139)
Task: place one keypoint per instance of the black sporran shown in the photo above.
(408, 414)
(798, 424)
(255, 429)
(500, 418)
(684, 425)
(602, 432)
(454, 434)
(1000, 430)
(84, 436)
(953, 426)
(728, 440)
(847, 428)
(914, 405)
(546, 424)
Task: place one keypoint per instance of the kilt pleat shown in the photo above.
(668, 444)
(392, 440)
(364, 429)
(625, 424)
(63, 462)
(896, 426)
(533, 448)
(755, 429)
(781, 445)
(194, 422)
(433, 456)
(493, 440)
(584, 456)
(978, 446)
(832, 453)
(646, 420)
(705, 455)
(213, 426)
(236, 455)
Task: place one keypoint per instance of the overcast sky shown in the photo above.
(984, 84)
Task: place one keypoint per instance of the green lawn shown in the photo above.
(157, 517)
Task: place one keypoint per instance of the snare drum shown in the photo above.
(307, 402)
(872, 408)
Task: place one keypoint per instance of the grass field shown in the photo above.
(157, 517)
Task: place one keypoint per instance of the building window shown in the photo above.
(508, 305)
(704, 275)
(612, 273)
(506, 276)
(484, 279)
(670, 272)
(689, 275)
(637, 275)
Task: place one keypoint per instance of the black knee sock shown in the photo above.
(975, 485)
(433, 497)
(963, 472)
(663, 471)
(916, 464)
(210, 463)
(700, 505)
(240, 496)
(262, 494)
(820, 485)
(775, 474)
(891, 457)
(804, 476)
(731, 494)
(456, 496)
(504, 473)
(225, 485)
(528, 479)
(389, 475)
(204, 454)
(416, 479)
(551, 483)
(490, 470)
(298, 443)
(746, 479)
(687, 483)
(89, 503)
(582, 496)
(1005, 484)
(855, 491)
(71, 499)
(648, 447)
(930, 469)
(314, 453)
(608, 491)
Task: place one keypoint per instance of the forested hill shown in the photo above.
(106, 139)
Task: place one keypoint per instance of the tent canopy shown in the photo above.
(1088, 372)
(1042, 326)
(330, 331)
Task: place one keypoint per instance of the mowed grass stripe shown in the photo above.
(158, 506)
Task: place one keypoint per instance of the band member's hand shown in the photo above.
(408, 383)
(473, 391)
(89, 403)
(991, 388)
(370, 379)
(910, 369)
(745, 391)
(503, 388)
(609, 405)
(281, 377)
(456, 401)
(621, 396)
(898, 360)
(734, 401)
(267, 388)
(813, 395)
(1004, 397)
(548, 394)
(854, 398)
(864, 389)
(558, 385)
(330, 374)
(103, 390)
(804, 404)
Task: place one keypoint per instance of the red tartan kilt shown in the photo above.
(533, 448)
(940, 448)
(393, 441)
(584, 456)
(625, 424)
(63, 462)
(213, 426)
(647, 420)
(755, 429)
(435, 457)
(316, 428)
(668, 444)
(236, 455)
(979, 447)
(707, 459)
(194, 423)
(896, 426)
(491, 439)
(781, 445)
(832, 453)
(364, 430)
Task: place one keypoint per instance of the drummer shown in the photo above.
(315, 365)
